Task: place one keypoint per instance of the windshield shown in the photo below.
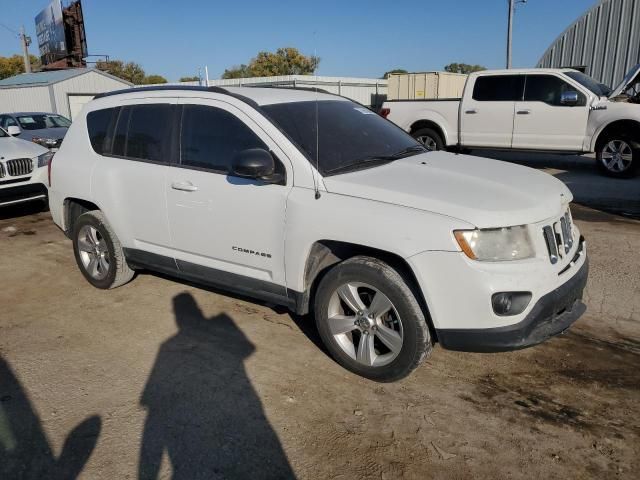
(349, 136)
(42, 121)
(3, 133)
(588, 82)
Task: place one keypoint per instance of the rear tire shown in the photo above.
(429, 138)
(98, 252)
(617, 157)
(380, 331)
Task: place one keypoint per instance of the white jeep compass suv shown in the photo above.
(23, 170)
(311, 201)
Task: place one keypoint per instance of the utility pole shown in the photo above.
(509, 31)
(512, 12)
(26, 41)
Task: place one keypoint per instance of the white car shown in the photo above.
(23, 170)
(314, 202)
(556, 110)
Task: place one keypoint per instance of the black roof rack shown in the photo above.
(162, 88)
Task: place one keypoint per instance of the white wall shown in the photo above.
(25, 99)
(89, 83)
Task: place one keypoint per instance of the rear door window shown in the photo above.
(148, 136)
(498, 88)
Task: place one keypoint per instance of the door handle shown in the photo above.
(524, 112)
(184, 186)
(471, 112)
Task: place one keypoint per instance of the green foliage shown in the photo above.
(14, 65)
(395, 70)
(130, 71)
(285, 61)
(189, 79)
(153, 79)
(463, 68)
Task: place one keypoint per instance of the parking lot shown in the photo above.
(165, 379)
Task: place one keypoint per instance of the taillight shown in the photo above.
(384, 112)
(49, 169)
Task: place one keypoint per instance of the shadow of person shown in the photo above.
(202, 410)
(24, 450)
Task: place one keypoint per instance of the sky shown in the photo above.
(356, 38)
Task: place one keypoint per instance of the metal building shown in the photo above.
(371, 92)
(604, 42)
(60, 91)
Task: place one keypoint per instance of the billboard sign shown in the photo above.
(51, 33)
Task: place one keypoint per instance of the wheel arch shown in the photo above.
(629, 127)
(432, 125)
(324, 254)
(73, 208)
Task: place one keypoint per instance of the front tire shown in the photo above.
(617, 157)
(370, 320)
(98, 252)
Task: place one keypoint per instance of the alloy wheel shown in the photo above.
(428, 142)
(617, 156)
(94, 253)
(365, 324)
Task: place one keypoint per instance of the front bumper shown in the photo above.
(10, 195)
(552, 314)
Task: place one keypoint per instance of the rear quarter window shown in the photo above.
(99, 123)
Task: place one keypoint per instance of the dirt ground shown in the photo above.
(161, 379)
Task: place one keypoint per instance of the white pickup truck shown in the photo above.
(558, 110)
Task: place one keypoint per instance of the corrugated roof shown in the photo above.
(43, 78)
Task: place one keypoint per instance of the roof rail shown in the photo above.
(291, 87)
(162, 88)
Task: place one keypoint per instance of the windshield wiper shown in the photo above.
(406, 152)
(378, 159)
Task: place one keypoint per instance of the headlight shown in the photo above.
(43, 160)
(496, 244)
(45, 142)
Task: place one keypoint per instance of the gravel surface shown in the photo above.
(162, 379)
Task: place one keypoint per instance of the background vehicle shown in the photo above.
(46, 129)
(390, 246)
(535, 109)
(23, 170)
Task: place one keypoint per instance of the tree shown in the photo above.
(14, 65)
(130, 71)
(190, 79)
(238, 71)
(395, 70)
(463, 68)
(153, 79)
(285, 61)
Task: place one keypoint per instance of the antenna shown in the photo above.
(316, 185)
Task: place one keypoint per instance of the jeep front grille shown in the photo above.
(559, 237)
(19, 167)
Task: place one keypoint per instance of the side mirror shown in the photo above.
(569, 98)
(255, 163)
(14, 131)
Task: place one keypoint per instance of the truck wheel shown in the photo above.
(616, 157)
(98, 252)
(429, 138)
(370, 320)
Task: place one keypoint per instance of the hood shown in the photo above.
(631, 77)
(486, 193)
(11, 147)
(55, 133)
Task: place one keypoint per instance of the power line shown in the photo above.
(15, 32)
